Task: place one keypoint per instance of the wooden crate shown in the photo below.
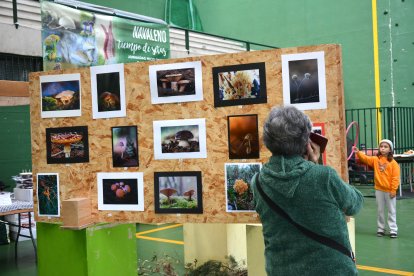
(76, 212)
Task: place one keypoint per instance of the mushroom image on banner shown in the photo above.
(178, 192)
(176, 139)
(67, 145)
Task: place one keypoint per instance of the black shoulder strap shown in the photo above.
(314, 236)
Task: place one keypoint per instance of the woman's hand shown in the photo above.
(355, 149)
(313, 152)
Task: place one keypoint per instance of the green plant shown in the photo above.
(158, 266)
(167, 266)
(217, 268)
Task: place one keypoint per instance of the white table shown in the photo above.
(405, 159)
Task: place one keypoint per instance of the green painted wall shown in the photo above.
(15, 149)
(396, 47)
(153, 8)
(303, 22)
(98, 250)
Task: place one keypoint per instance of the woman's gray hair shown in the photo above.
(286, 131)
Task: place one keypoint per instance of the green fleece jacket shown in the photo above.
(318, 199)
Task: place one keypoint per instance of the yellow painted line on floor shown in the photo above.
(159, 240)
(385, 270)
(159, 229)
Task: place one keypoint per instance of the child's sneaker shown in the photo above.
(380, 234)
(393, 235)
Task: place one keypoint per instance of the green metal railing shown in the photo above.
(397, 124)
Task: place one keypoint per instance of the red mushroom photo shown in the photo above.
(67, 145)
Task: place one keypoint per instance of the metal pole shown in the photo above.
(16, 24)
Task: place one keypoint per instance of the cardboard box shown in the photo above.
(23, 194)
(76, 212)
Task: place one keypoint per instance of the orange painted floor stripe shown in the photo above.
(160, 240)
(159, 229)
(385, 270)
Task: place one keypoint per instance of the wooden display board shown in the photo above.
(79, 180)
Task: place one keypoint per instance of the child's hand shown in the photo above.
(355, 149)
(392, 195)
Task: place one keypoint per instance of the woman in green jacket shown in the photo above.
(313, 195)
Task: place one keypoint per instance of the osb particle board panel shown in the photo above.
(79, 180)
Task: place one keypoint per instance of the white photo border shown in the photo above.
(111, 68)
(57, 192)
(320, 57)
(225, 186)
(198, 81)
(201, 122)
(139, 176)
(60, 113)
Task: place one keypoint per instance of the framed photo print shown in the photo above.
(319, 128)
(48, 199)
(243, 136)
(304, 84)
(60, 95)
(121, 191)
(178, 192)
(108, 91)
(176, 82)
(239, 195)
(239, 84)
(67, 145)
(125, 146)
(176, 139)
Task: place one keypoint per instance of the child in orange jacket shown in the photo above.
(386, 179)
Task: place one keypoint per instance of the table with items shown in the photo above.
(18, 208)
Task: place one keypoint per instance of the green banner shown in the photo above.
(72, 38)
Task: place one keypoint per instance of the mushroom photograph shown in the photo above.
(120, 191)
(178, 192)
(176, 82)
(48, 194)
(67, 145)
(176, 139)
(125, 146)
(239, 195)
(60, 95)
(108, 91)
(180, 139)
(304, 83)
(243, 136)
(239, 84)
